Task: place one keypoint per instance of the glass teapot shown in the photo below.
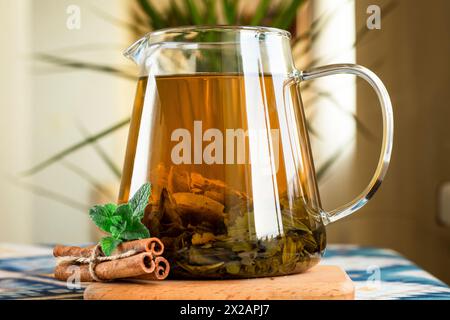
(218, 128)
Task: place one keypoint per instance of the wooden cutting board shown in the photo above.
(319, 283)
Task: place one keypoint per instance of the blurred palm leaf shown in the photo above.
(72, 63)
(230, 9)
(177, 13)
(154, 18)
(85, 175)
(332, 159)
(50, 194)
(260, 12)
(102, 153)
(279, 14)
(361, 127)
(138, 26)
(211, 15)
(88, 141)
(286, 16)
(194, 12)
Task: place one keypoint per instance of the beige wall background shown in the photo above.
(43, 107)
(411, 55)
(14, 120)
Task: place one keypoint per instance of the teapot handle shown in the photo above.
(388, 131)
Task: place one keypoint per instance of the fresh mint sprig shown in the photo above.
(122, 222)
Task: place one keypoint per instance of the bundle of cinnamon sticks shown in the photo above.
(138, 259)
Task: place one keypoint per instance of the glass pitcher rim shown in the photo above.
(219, 28)
(186, 36)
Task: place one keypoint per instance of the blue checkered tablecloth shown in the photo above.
(26, 273)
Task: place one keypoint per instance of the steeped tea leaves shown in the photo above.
(204, 248)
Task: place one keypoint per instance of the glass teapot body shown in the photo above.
(219, 131)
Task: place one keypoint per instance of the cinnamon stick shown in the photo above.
(151, 245)
(162, 269)
(72, 251)
(133, 266)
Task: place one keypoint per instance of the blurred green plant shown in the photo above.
(146, 17)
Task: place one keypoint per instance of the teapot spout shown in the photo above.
(134, 52)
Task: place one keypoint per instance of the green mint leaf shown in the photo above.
(109, 244)
(124, 211)
(101, 216)
(140, 200)
(135, 230)
(116, 220)
(115, 232)
(110, 207)
(123, 221)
